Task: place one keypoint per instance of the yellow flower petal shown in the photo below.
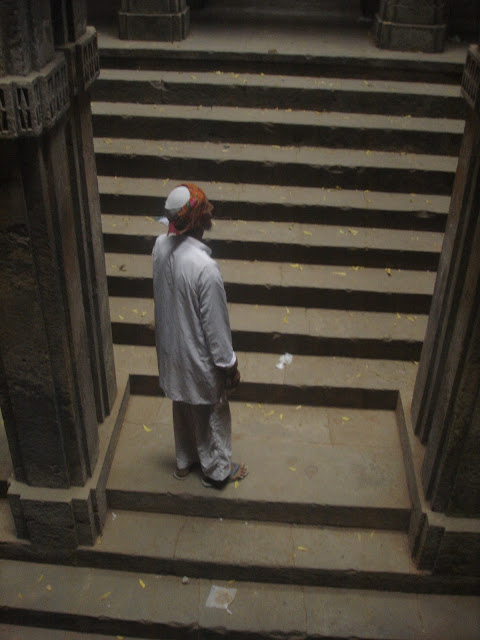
(146, 428)
(142, 584)
(105, 595)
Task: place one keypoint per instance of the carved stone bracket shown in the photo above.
(31, 104)
(471, 79)
(83, 61)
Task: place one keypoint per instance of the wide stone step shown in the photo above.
(280, 127)
(376, 209)
(292, 284)
(146, 605)
(326, 53)
(292, 452)
(287, 166)
(254, 90)
(274, 241)
(320, 332)
(362, 383)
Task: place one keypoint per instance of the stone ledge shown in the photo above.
(471, 79)
(66, 518)
(29, 105)
(83, 63)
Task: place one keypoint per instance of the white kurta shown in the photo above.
(194, 343)
(192, 327)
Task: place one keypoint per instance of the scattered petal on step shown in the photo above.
(359, 536)
(108, 140)
(411, 318)
(297, 408)
(398, 315)
(296, 266)
(142, 584)
(166, 180)
(146, 428)
(302, 548)
(281, 416)
(105, 595)
(355, 268)
(308, 233)
(40, 578)
(292, 468)
(236, 484)
(345, 418)
(339, 273)
(143, 314)
(135, 311)
(285, 319)
(388, 271)
(121, 317)
(149, 219)
(354, 232)
(269, 413)
(250, 406)
(48, 587)
(20, 596)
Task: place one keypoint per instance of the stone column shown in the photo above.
(446, 401)
(160, 20)
(57, 378)
(411, 25)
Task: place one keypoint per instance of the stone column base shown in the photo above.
(428, 38)
(438, 543)
(67, 518)
(157, 20)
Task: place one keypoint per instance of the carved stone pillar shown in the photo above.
(446, 402)
(411, 25)
(160, 20)
(57, 378)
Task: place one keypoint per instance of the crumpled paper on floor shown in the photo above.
(286, 358)
(220, 598)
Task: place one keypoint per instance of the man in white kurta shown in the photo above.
(196, 361)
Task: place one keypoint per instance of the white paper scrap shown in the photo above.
(220, 598)
(286, 358)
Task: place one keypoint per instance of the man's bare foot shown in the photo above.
(238, 472)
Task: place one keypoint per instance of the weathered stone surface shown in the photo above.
(409, 37)
(26, 41)
(413, 11)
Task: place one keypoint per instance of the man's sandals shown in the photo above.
(238, 472)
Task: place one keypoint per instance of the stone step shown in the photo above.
(147, 605)
(241, 48)
(145, 196)
(292, 452)
(319, 332)
(362, 383)
(264, 91)
(295, 243)
(287, 166)
(292, 284)
(277, 127)
(20, 632)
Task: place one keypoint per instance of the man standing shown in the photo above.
(196, 362)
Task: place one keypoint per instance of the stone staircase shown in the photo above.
(330, 177)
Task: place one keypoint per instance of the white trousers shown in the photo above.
(203, 434)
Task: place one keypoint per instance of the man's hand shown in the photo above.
(232, 378)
